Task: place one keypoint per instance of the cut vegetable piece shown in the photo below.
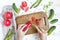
(24, 4)
(33, 19)
(51, 30)
(38, 21)
(51, 14)
(22, 7)
(15, 8)
(26, 9)
(53, 21)
(36, 4)
(27, 25)
(9, 34)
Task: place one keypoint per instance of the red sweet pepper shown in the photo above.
(29, 23)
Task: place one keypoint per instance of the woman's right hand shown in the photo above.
(41, 32)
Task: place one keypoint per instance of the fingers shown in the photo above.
(37, 28)
(42, 29)
(20, 26)
(23, 27)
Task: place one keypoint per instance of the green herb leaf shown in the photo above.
(47, 6)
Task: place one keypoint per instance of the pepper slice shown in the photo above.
(38, 21)
(33, 19)
(15, 8)
(26, 9)
(27, 25)
(22, 7)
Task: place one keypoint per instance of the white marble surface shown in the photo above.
(56, 6)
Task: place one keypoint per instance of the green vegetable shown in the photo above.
(9, 34)
(53, 21)
(15, 8)
(47, 6)
(9, 38)
(33, 4)
(51, 14)
(36, 4)
(51, 30)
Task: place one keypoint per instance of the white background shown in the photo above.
(56, 6)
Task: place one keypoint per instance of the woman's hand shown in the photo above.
(20, 32)
(41, 32)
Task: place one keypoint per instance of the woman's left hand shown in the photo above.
(20, 32)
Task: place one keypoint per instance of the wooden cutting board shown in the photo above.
(25, 18)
